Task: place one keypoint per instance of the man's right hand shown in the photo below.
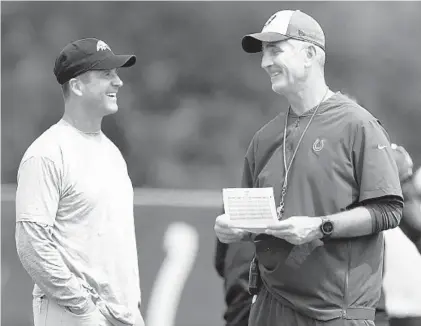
(226, 232)
(87, 308)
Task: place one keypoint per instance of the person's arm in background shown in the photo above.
(410, 222)
(37, 198)
(232, 262)
(219, 259)
(411, 190)
(246, 182)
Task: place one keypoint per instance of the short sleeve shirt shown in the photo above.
(344, 158)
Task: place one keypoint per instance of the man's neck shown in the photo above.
(81, 120)
(308, 98)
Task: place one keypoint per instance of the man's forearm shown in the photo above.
(372, 217)
(353, 223)
(44, 264)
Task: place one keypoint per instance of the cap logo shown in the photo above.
(301, 33)
(102, 46)
(270, 20)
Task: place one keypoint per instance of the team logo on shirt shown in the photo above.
(318, 145)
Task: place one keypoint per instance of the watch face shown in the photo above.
(327, 227)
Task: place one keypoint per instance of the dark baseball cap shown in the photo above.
(283, 25)
(88, 54)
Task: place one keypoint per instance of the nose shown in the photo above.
(266, 60)
(117, 81)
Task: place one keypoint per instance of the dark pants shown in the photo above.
(382, 319)
(238, 307)
(238, 314)
(267, 311)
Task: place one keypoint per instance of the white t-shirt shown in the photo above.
(78, 184)
(402, 277)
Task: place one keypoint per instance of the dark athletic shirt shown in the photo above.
(344, 158)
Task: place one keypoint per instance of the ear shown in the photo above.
(76, 86)
(311, 54)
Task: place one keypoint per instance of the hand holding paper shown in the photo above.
(251, 209)
(226, 231)
(297, 229)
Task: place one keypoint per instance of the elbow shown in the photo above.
(395, 219)
(20, 244)
(22, 250)
(391, 217)
(385, 215)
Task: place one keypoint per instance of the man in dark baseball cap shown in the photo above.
(86, 69)
(74, 200)
(88, 54)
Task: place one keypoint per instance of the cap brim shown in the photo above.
(252, 43)
(116, 61)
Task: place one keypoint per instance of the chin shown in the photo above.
(279, 88)
(111, 110)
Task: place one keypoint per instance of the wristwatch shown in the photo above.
(326, 227)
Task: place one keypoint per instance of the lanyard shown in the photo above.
(281, 207)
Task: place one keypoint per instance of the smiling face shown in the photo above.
(99, 91)
(286, 63)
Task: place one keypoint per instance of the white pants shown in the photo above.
(48, 313)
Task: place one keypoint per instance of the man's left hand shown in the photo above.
(297, 229)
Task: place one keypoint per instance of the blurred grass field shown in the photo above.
(201, 302)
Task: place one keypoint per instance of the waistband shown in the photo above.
(359, 313)
(350, 313)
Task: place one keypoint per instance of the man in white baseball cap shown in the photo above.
(336, 187)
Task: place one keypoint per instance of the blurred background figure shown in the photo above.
(187, 113)
(403, 253)
(232, 262)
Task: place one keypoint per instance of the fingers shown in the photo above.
(279, 226)
(278, 233)
(280, 229)
(225, 231)
(223, 221)
(228, 236)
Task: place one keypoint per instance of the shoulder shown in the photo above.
(47, 147)
(353, 118)
(113, 152)
(353, 112)
(268, 132)
(111, 146)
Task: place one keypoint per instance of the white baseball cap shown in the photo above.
(282, 25)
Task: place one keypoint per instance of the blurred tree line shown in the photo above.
(194, 99)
